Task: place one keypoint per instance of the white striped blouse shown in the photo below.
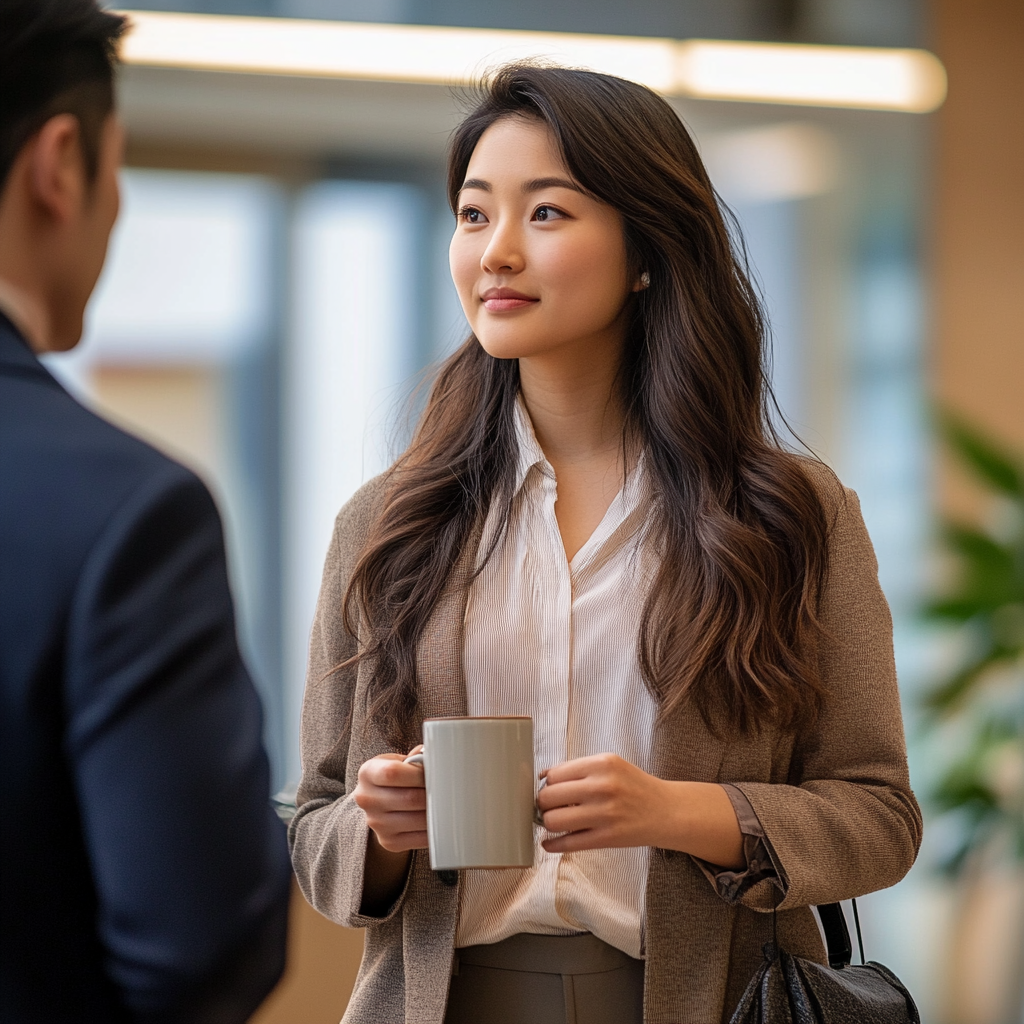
(558, 641)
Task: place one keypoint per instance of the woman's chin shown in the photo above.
(513, 348)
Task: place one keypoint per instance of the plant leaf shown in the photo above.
(976, 546)
(954, 690)
(997, 467)
(955, 609)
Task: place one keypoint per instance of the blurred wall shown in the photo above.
(978, 242)
(323, 960)
(977, 369)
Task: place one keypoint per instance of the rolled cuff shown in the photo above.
(759, 863)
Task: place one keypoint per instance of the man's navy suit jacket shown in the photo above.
(145, 876)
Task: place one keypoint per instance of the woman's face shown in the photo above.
(539, 266)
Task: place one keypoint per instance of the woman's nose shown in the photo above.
(504, 254)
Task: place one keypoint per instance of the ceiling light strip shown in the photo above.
(907, 80)
(394, 53)
(829, 76)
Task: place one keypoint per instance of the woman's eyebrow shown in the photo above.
(533, 185)
(539, 184)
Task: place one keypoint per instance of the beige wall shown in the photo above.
(323, 959)
(977, 365)
(977, 281)
(178, 409)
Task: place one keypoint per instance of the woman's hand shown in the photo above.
(604, 801)
(394, 801)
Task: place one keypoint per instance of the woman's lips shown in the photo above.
(501, 300)
(502, 305)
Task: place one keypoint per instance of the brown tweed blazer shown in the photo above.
(835, 802)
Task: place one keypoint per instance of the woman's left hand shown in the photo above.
(604, 801)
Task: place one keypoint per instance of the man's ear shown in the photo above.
(56, 176)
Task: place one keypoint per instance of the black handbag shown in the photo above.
(790, 990)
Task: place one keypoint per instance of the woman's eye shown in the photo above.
(544, 213)
(469, 215)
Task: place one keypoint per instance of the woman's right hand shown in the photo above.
(392, 796)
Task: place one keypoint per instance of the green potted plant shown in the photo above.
(974, 712)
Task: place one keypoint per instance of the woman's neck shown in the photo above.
(578, 418)
(576, 411)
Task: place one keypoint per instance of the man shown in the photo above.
(144, 874)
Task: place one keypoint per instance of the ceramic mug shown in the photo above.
(481, 787)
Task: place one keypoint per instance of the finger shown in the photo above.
(389, 800)
(563, 794)
(400, 798)
(396, 822)
(404, 841)
(572, 819)
(391, 773)
(418, 749)
(375, 765)
(579, 768)
(382, 799)
(588, 839)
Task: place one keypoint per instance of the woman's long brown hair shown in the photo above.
(730, 624)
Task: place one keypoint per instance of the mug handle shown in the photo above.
(414, 759)
(538, 818)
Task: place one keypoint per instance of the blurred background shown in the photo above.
(277, 287)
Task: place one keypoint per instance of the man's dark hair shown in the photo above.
(56, 57)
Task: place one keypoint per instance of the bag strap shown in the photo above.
(837, 934)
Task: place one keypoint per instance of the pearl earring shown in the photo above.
(645, 280)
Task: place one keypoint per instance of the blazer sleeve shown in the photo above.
(848, 822)
(163, 735)
(328, 834)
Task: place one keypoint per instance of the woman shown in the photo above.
(595, 526)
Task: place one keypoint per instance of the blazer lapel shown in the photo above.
(441, 682)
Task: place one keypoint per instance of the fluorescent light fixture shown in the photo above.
(827, 76)
(393, 53)
(910, 80)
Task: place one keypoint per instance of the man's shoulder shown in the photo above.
(57, 453)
